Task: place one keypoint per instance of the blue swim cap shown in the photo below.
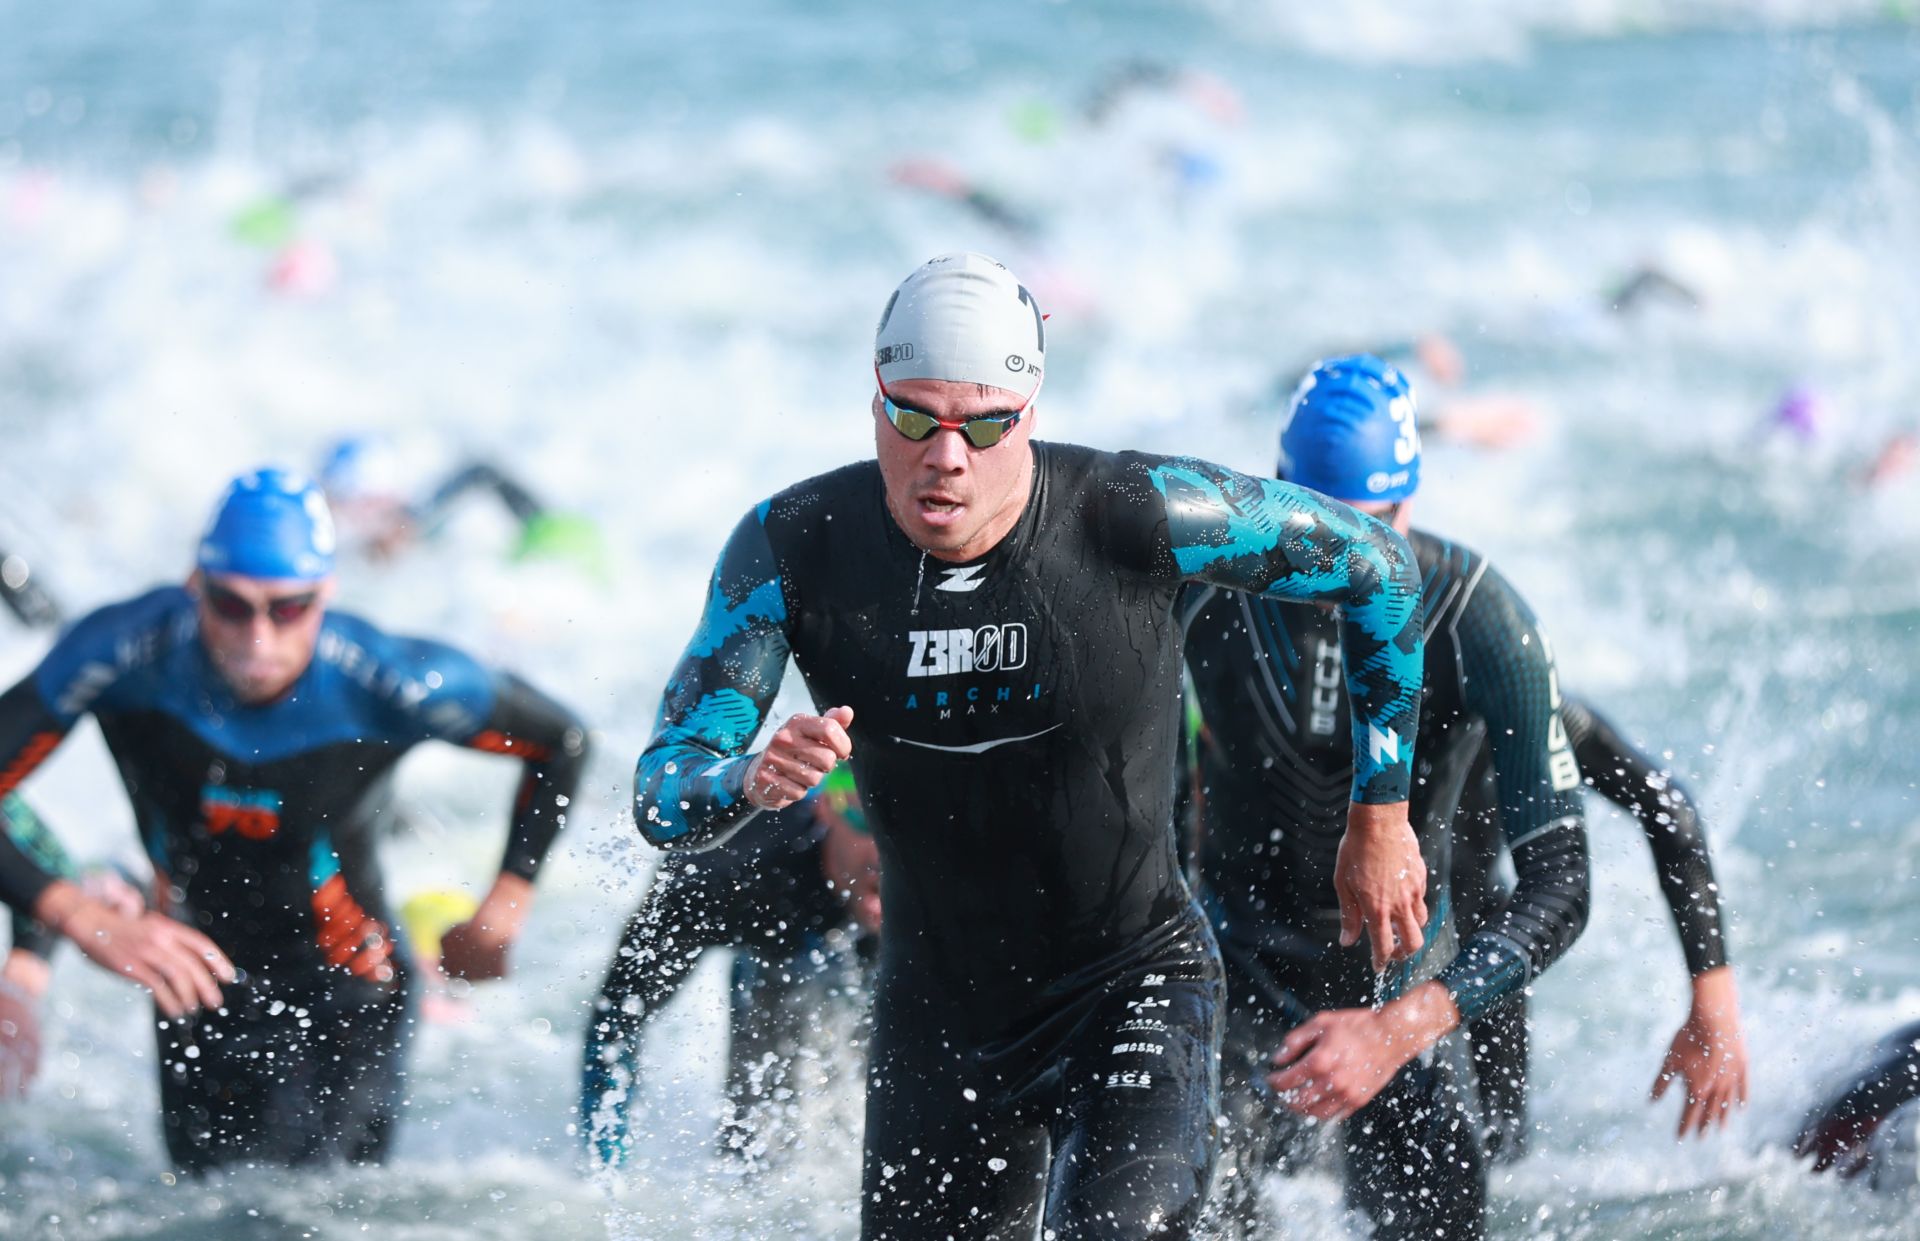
(1349, 431)
(272, 523)
(357, 467)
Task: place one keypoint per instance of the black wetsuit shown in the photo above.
(1046, 1012)
(1638, 784)
(479, 476)
(1274, 758)
(1870, 1123)
(25, 597)
(763, 892)
(259, 820)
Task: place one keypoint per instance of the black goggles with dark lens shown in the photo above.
(239, 610)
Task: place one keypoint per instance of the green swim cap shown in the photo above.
(1035, 121)
(566, 538)
(268, 223)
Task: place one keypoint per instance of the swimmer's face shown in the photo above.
(259, 632)
(952, 499)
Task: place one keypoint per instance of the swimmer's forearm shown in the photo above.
(1668, 815)
(689, 786)
(504, 911)
(1273, 538)
(552, 743)
(56, 903)
(1715, 996)
(688, 798)
(1422, 1017)
(1384, 687)
(1546, 914)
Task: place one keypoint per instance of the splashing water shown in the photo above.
(639, 257)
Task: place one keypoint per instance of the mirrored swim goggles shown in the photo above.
(981, 430)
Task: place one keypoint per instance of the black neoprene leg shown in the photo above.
(658, 949)
(1413, 1155)
(252, 1084)
(774, 997)
(1259, 1133)
(1134, 1154)
(1500, 1055)
(942, 1162)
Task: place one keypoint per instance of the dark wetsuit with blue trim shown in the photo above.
(1047, 1011)
(1275, 755)
(259, 821)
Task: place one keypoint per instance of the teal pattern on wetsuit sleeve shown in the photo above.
(1274, 538)
(34, 838)
(687, 789)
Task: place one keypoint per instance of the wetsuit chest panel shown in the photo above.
(1013, 727)
(246, 846)
(1277, 754)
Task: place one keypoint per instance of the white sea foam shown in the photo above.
(654, 302)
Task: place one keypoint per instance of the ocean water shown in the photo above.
(638, 253)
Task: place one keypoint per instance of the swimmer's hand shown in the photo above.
(1709, 1055)
(1838, 1141)
(798, 758)
(1334, 1064)
(476, 949)
(22, 984)
(1381, 881)
(178, 964)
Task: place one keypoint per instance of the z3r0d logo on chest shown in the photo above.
(951, 652)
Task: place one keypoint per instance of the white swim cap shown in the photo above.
(962, 317)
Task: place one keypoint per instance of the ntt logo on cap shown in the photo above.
(964, 318)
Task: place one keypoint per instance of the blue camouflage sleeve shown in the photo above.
(688, 785)
(1269, 537)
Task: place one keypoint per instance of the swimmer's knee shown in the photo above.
(1158, 1196)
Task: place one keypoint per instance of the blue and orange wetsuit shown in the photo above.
(260, 823)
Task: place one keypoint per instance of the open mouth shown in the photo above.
(939, 509)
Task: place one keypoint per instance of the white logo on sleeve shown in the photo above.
(1383, 745)
(961, 581)
(1562, 767)
(1325, 699)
